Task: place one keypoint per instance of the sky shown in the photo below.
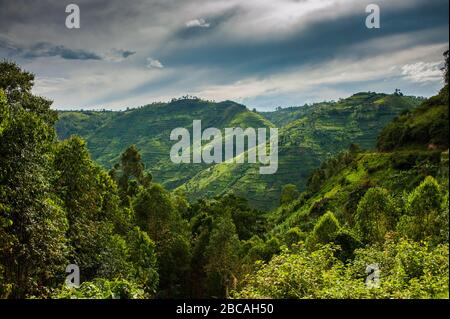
(262, 53)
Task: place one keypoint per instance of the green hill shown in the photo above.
(366, 223)
(386, 208)
(341, 181)
(322, 130)
(308, 135)
(423, 127)
(108, 134)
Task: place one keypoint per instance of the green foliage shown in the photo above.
(308, 135)
(406, 160)
(14, 81)
(324, 230)
(91, 203)
(248, 221)
(130, 174)
(443, 219)
(33, 224)
(102, 289)
(17, 84)
(105, 243)
(426, 126)
(222, 256)
(133, 238)
(299, 274)
(329, 168)
(154, 211)
(293, 236)
(142, 255)
(288, 194)
(426, 213)
(4, 110)
(156, 214)
(407, 270)
(376, 215)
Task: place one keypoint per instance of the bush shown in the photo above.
(426, 213)
(102, 289)
(375, 215)
(324, 230)
(407, 270)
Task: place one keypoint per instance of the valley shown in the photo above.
(308, 135)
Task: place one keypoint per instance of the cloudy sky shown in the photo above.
(263, 53)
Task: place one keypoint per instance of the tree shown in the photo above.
(445, 68)
(14, 81)
(375, 215)
(444, 218)
(4, 111)
(248, 221)
(288, 194)
(324, 230)
(155, 213)
(130, 174)
(142, 255)
(17, 84)
(408, 270)
(33, 246)
(354, 148)
(424, 217)
(91, 200)
(222, 256)
(293, 236)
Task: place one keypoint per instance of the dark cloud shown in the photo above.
(44, 49)
(126, 53)
(318, 42)
(205, 45)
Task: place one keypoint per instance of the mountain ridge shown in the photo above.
(308, 135)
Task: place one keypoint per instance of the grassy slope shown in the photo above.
(342, 192)
(108, 134)
(400, 169)
(308, 135)
(322, 130)
(425, 127)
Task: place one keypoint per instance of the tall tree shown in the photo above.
(92, 203)
(222, 256)
(375, 215)
(325, 229)
(445, 68)
(34, 247)
(425, 213)
(156, 214)
(130, 174)
(288, 194)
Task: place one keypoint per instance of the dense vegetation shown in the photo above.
(108, 133)
(308, 135)
(361, 214)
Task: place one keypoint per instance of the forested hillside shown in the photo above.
(308, 135)
(383, 209)
(108, 134)
(368, 223)
(321, 130)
